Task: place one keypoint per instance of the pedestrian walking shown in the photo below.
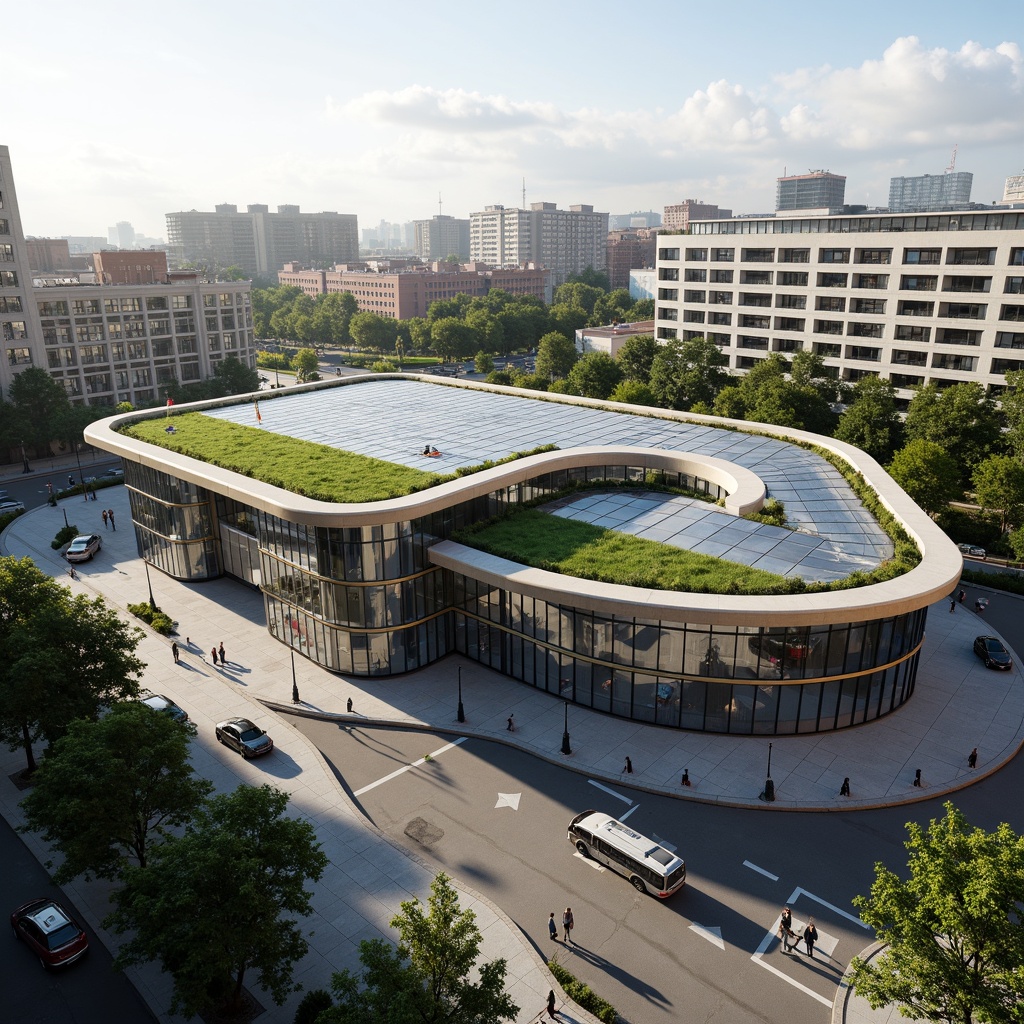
(810, 936)
(952, 604)
(785, 932)
(223, 661)
(348, 705)
(567, 923)
(174, 651)
(511, 727)
(972, 758)
(552, 927)
(213, 655)
(628, 767)
(844, 789)
(106, 525)
(71, 480)
(917, 778)
(113, 525)
(551, 1004)
(960, 597)
(685, 780)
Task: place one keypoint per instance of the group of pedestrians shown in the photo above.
(790, 940)
(567, 923)
(108, 519)
(215, 653)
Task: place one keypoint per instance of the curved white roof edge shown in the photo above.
(934, 577)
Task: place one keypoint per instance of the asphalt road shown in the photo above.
(88, 992)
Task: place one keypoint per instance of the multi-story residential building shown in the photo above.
(135, 267)
(260, 242)
(442, 236)
(949, 191)
(915, 299)
(408, 292)
(815, 190)
(19, 324)
(678, 216)
(126, 342)
(564, 241)
(499, 237)
(629, 221)
(48, 255)
(629, 250)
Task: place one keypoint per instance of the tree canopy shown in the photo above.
(109, 787)
(684, 373)
(426, 980)
(871, 421)
(928, 474)
(62, 657)
(636, 357)
(220, 901)
(556, 355)
(999, 487)
(594, 375)
(953, 929)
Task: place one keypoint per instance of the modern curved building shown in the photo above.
(381, 588)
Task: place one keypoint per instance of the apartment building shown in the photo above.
(260, 242)
(912, 298)
(404, 293)
(925, 192)
(442, 236)
(629, 250)
(815, 190)
(1013, 189)
(499, 237)
(678, 215)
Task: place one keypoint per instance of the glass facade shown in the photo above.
(367, 601)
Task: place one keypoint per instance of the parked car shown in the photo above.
(972, 551)
(50, 932)
(158, 702)
(9, 507)
(992, 652)
(82, 548)
(117, 473)
(244, 736)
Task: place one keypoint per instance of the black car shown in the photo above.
(244, 736)
(992, 652)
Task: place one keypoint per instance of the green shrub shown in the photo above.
(773, 513)
(583, 995)
(153, 617)
(313, 1004)
(65, 535)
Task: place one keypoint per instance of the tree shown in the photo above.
(928, 474)
(556, 355)
(451, 338)
(577, 294)
(636, 357)
(567, 319)
(633, 392)
(961, 418)
(999, 486)
(109, 787)
(872, 421)
(483, 362)
(613, 308)
(686, 372)
(439, 309)
(306, 365)
(488, 330)
(592, 277)
(1012, 404)
(212, 904)
(39, 403)
(643, 309)
(426, 980)
(372, 331)
(594, 375)
(955, 940)
(232, 377)
(62, 657)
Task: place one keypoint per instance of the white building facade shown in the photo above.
(913, 299)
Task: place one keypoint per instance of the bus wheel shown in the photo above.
(582, 848)
(638, 884)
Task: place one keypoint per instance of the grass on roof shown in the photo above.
(314, 470)
(574, 548)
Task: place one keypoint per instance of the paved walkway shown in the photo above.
(957, 705)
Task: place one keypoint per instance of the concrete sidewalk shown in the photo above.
(957, 705)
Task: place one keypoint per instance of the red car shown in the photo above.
(50, 932)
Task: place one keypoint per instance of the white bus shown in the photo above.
(648, 866)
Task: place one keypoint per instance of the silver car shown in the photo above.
(244, 736)
(81, 549)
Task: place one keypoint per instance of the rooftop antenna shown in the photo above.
(952, 161)
(524, 193)
(439, 204)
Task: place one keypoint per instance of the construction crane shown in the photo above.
(952, 161)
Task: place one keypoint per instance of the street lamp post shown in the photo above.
(81, 478)
(566, 749)
(769, 786)
(26, 468)
(149, 582)
(295, 685)
(462, 710)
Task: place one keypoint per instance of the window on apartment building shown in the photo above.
(827, 349)
(53, 359)
(1015, 313)
(859, 330)
(957, 336)
(8, 279)
(696, 255)
(671, 294)
(97, 383)
(141, 378)
(971, 257)
(668, 273)
(906, 358)
(18, 356)
(694, 295)
(181, 302)
(720, 298)
(695, 275)
(870, 280)
(832, 280)
(668, 254)
(958, 283)
(1013, 286)
(213, 342)
(912, 332)
(721, 276)
(873, 256)
(58, 308)
(794, 255)
(723, 255)
(750, 342)
(82, 307)
(138, 350)
(667, 332)
(668, 313)
(156, 302)
(693, 316)
(863, 353)
(950, 361)
(210, 301)
(754, 299)
(905, 380)
(56, 335)
(830, 304)
(747, 362)
(910, 283)
(758, 256)
(833, 255)
(793, 278)
(963, 310)
(159, 325)
(791, 301)
(828, 326)
(71, 387)
(868, 306)
(1009, 339)
(922, 255)
(755, 277)
(789, 323)
(787, 345)
(721, 319)
(7, 253)
(1006, 365)
(162, 348)
(5, 227)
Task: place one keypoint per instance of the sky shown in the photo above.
(119, 111)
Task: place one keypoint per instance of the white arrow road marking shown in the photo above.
(760, 871)
(610, 792)
(508, 800)
(415, 764)
(629, 812)
(712, 934)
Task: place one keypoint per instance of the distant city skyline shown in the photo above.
(125, 115)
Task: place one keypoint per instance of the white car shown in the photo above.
(81, 549)
(9, 507)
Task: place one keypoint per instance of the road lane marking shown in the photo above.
(710, 932)
(610, 792)
(508, 800)
(760, 871)
(629, 812)
(415, 764)
(588, 861)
